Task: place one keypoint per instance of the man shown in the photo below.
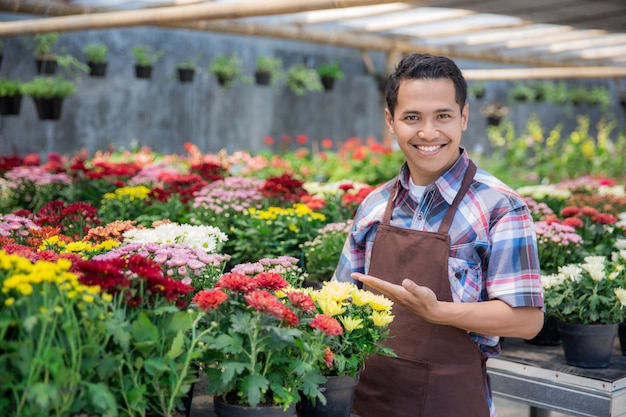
(454, 248)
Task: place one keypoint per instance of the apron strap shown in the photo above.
(467, 181)
(449, 216)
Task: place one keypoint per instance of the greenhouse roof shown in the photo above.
(578, 34)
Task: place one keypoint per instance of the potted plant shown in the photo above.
(329, 73)
(600, 96)
(96, 54)
(577, 95)
(144, 59)
(11, 92)
(365, 319)
(48, 94)
(477, 89)
(301, 79)
(186, 70)
(588, 300)
(44, 58)
(265, 343)
(227, 69)
(268, 69)
(494, 113)
(522, 92)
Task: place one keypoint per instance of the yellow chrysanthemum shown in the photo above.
(330, 307)
(381, 318)
(337, 291)
(351, 323)
(380, 303)
(9, 301)
(25, 288)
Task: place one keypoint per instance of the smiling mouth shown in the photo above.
(428, 148)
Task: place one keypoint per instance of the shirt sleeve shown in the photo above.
(352, 257)
(514, 274)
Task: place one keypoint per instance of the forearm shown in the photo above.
(495, 318)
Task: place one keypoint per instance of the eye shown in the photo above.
(412, 117)
(444, 116)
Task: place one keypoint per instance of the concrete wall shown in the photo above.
(119, 110)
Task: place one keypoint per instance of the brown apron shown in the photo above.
(439, 371)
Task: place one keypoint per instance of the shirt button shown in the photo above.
(419, 216)
(458, 275)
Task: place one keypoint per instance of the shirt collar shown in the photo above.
(447, 184)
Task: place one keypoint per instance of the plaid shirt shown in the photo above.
(493, 252)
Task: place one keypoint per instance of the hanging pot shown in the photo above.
(262, 77)
(339, 394)
(328, 82)
(10, 105)
(185, 75)
(97, 69)
(48, 108)
(223, 409)
(143, 71)
(588, 345)
(46, 66)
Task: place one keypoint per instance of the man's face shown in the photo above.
(428, 125)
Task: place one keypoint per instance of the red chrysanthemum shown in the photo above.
(237, 282)
(570, 211)
(301, 301)
(266, 302)
(289, 316)
(327, 324)
(589, 211)
(604, 218)
(270, 281)
(208, 299)
(574, 222)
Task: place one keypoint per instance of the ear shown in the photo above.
(389, 121)
(464, 116)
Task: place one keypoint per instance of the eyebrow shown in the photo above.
(442, 110)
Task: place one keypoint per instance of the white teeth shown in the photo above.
(428, 148)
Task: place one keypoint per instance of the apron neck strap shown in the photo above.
(449, 216)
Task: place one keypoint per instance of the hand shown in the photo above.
(419, 299)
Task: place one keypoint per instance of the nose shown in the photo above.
(428, 131)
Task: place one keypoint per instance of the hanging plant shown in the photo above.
(301, 79)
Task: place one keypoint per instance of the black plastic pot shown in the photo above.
(97, 69)
(185, 75)
(143, 71)
(46, 66)
(48, 108)
(10, 105)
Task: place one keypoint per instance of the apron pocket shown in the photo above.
(392, 387)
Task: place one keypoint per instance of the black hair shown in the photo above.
(425, 66)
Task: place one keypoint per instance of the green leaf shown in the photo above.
(153, 366)
(254, 386)
(177, 346)
(102, 398)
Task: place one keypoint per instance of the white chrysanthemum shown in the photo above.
(199, 237)
(595, 271)
(551, 280)
(540, 192)
(620, 244)
(620, 293)
(570, 272)
(616, 191)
